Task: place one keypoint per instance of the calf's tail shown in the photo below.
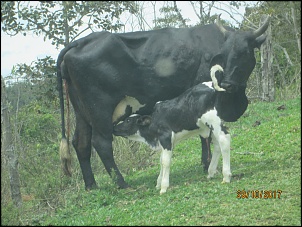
(214, 69)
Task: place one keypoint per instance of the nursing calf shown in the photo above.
(192, 113)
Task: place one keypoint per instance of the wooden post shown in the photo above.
(268, 82)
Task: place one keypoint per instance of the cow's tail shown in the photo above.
(64, 146)
(214, 69)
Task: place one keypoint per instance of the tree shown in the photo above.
(172, 16)
(286, 63)
(60, 22)
(7, 146)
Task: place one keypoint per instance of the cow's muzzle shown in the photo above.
(229, 88)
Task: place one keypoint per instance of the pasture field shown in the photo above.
(265, 188)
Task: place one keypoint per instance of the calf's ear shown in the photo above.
(144, 120)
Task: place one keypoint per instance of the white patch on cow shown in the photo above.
(164, 67)
(120, 109)
(137, 137)
(186, 134)
(209, 118)
(203, 129)
(221, 143)
(209, 84)
(214, 69)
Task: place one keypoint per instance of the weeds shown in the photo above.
(264, 157)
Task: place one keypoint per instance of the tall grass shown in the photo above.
(265, 187)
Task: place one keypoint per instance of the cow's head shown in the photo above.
(237, 55)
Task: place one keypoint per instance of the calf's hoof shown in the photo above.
(162, 191)
(227, 178)
(225, 182)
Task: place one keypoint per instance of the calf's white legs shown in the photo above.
(222, 144)
(163, 178)
(215, 159)
(225, 141)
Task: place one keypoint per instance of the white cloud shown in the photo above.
(23, 49)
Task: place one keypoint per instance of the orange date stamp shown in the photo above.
(259, 194)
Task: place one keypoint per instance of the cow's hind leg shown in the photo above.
(103, 146)
(82, 144)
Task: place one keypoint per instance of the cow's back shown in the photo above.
(149, 66)
(169, 56)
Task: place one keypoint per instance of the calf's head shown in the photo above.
(132, 127)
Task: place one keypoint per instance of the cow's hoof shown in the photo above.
(92, 187)
(123, 186)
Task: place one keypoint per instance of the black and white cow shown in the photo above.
(192, 113)
(110, 76)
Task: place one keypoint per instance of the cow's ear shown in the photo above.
(144, 120)
(259, 40)
(217, 60)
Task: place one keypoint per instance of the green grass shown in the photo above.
(264, 157)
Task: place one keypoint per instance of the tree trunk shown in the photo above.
(297, 32)
(7, 146)
(268, 85)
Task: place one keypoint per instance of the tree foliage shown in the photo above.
(62, 22)
(286, 55)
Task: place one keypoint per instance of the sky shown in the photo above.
(26, 49)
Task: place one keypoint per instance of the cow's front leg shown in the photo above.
(165, 165)
(103, 146)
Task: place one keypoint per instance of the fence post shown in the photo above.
(267, 79)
